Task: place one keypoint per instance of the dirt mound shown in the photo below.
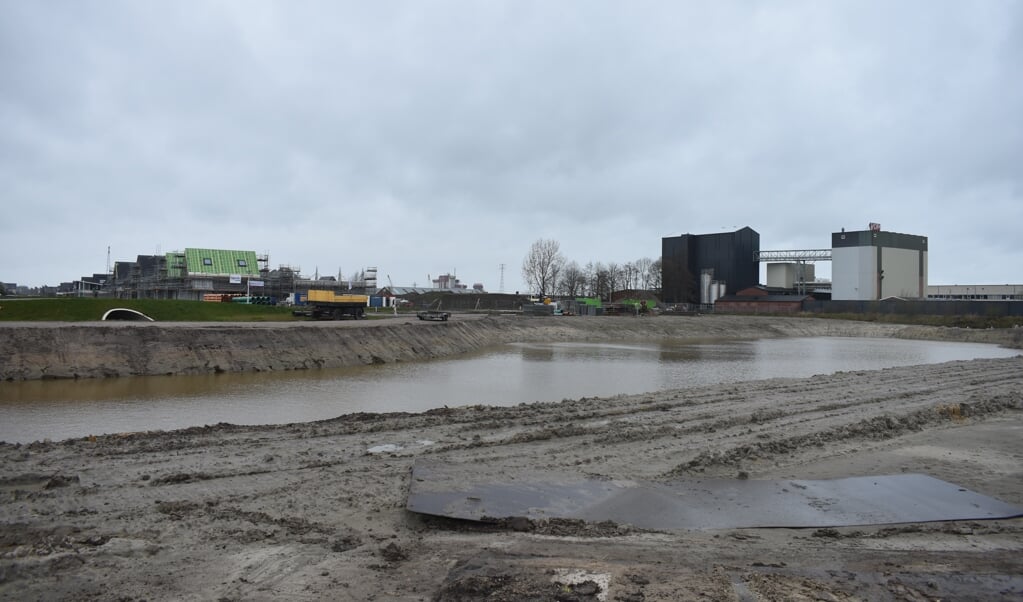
(104, 349)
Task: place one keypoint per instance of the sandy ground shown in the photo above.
(316, 511)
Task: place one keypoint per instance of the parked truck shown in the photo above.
(328, 305)
(431, 313)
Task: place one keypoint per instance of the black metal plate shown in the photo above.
(448, 490)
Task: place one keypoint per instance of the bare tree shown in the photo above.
(542, 265)
(602, 285)
(643, 272)
(594, 273)
(614, 279)
(654, 275)
(572, 281)
(627, 276)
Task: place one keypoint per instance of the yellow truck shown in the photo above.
(328, 305)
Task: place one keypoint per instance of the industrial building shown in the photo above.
(867, 265)
(789, 275)
(870, 265)
(872, 271)
(699, 268)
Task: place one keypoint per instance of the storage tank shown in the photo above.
(706, 284)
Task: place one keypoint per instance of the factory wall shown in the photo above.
(854, 273)
(901, 274)
(731, 255)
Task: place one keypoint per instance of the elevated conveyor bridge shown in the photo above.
(799, 257)
(794, 256)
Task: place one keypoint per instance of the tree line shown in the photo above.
(548, 272)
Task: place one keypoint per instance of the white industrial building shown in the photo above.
(789, 275)
(869, 265)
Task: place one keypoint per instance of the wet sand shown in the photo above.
(316, 511)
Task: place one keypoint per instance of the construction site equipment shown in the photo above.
(220, 297)
(431, 313)
(255, 300)
(328, 305)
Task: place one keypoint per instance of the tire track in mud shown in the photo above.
(701, 422)
(685, 413)
(887, 426)
(688, 422)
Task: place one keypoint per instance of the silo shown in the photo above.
(707, 288)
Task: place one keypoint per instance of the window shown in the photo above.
(241, 263)
(207, 261)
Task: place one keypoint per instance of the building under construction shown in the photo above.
(197, 274)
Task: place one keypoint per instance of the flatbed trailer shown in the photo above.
(327, 305)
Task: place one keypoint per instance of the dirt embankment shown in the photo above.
(30, 351)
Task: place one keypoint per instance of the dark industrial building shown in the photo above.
(699, 268)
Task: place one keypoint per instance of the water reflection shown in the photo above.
(670, 354)
(537, 354)
(505, 375)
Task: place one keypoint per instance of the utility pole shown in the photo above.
(501, 289)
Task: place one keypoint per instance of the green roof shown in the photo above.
(219, 262)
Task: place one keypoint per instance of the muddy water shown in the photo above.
(506, 375)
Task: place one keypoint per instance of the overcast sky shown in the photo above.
(431, 137)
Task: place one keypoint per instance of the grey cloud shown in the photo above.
(402, 134)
